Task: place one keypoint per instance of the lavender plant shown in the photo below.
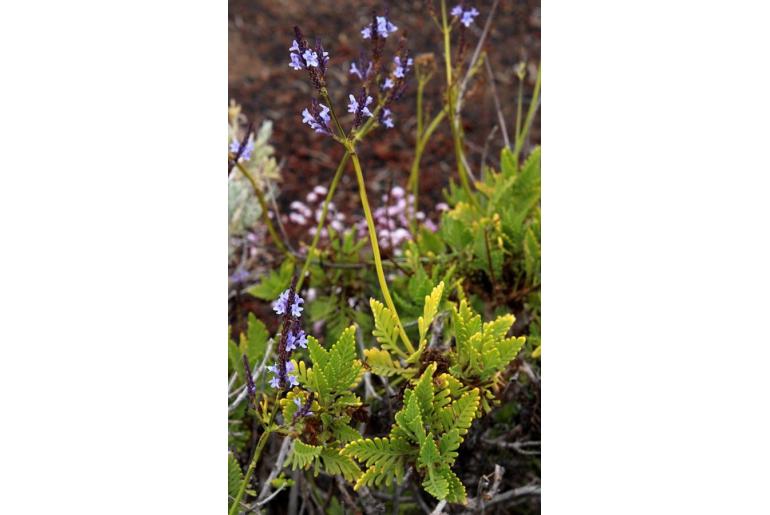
(387, 83)
(429, 363)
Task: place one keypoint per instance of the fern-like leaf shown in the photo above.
(436, 485)
(456, 492)
(336, 463)
(303, 455)
(234, 476)
(464, 410)
(385, 327)
(381, 363)
(423, 391)
(430, 309)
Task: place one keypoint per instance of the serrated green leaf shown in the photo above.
(335, 463)
(430, 309)
(508, 165)
(274, 283)
(234, 476)
(429, 454)
(385, 327)
(255, 341)
(381, 363)
(303, 455)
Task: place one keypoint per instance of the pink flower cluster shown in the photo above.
(391, 219)
(308, 213)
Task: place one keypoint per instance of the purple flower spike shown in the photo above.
(318, 119)
(314, 60)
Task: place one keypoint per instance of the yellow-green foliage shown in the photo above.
(385, 361)
(482, 351)
(426, 433)
(331, 380)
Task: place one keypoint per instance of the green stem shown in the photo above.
(254, 459)
(447, 48)
(328, 100)
(518, 113)
(422, 141)
(376, 247)
(420, 88)
(257, 452)
(324, 212)
(265, 214)
(533, 105)
(451, 100)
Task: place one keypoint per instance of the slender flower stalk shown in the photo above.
(322, 219)
(520, 137)
(451, 101)
(265, 213)
(376, 247)
(414, 174)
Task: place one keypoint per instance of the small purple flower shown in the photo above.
(296, 62)
(239, 276)
(387, 118)
(355, 108)
(318, 119)
(302, 410)
(275, 382)
(401, 70)
(388, 84)
(311, 58)
(247, 149)
(468, 16)
(296, 339)
(357, 69)
(280, 306)
(457, 10)
(384, 27)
